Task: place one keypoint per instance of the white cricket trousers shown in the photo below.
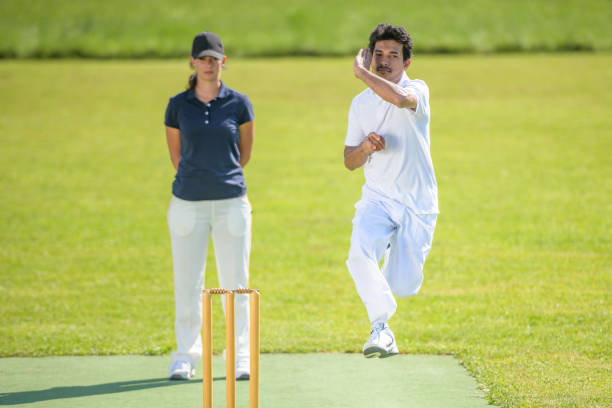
(386, 227)
(191, 224)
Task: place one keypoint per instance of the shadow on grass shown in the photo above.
(28, 397)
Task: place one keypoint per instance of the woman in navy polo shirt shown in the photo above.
(209, 129)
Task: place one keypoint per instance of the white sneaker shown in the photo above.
(181, 370)
(381, 342)
(242, 367)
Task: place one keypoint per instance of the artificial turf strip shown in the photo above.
(287, 380)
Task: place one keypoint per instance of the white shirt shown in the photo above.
(404, 171)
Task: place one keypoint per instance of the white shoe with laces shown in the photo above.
(381, 343)
(181, 370)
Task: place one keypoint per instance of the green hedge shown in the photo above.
(161, 28)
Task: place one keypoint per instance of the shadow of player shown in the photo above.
(26, 397)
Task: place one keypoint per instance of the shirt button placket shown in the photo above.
(207, 113)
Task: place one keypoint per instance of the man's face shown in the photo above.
(387, 61)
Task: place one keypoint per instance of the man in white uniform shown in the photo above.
(388, 134)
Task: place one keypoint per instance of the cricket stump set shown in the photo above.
(230, 346)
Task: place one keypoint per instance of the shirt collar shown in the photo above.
(223, 93)
(403, 80)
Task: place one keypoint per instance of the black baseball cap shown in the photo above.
(207, 44)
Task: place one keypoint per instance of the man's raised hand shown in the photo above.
(362, 61)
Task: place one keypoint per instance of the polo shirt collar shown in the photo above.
(403, 80)
(223, 93)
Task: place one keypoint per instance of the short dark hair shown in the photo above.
(389, 32)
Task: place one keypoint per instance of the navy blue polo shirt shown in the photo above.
(209, 168)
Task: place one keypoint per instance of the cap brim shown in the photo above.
(210, 53)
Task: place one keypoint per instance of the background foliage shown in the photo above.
(161, 28)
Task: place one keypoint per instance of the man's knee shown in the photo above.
(405, 291)
(406, 285)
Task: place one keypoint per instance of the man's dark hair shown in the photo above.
(389, 32)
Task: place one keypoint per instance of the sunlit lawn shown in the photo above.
(518, 282)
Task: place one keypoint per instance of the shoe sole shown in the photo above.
(390, 354)
(179, 377)
(374, 351)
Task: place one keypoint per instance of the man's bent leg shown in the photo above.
(372, 288)
(372, 229)
(404, 267)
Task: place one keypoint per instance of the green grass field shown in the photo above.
(517, 285)
(160, 28)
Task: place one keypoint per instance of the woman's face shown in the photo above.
(208, 68)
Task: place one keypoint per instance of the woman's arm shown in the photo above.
(245, 146)
(173, 137)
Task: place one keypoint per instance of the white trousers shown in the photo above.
(191, 224)
(385, 227)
